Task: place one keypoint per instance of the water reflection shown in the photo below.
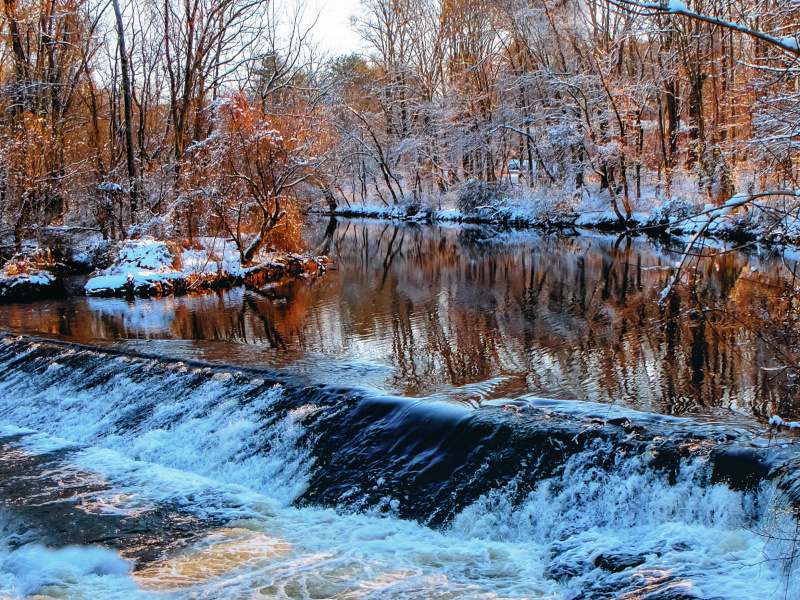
(475, 314)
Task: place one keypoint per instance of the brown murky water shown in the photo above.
(477, 314)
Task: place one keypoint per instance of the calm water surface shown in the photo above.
(475, 314)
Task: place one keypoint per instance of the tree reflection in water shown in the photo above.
(477, 314)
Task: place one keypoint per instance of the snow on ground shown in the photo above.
(141, 262)
(684, 212)
(33, 277)
(778, 422)
(511, 211)
(383, 211)
(27, 275)
(214, 255)
(147, 267)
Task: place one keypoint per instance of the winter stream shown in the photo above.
(450, 413)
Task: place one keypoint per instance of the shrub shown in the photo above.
(476, 195)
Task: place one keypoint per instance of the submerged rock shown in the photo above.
(52, 500)
(616, 563)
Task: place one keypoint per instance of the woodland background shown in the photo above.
(221, 117)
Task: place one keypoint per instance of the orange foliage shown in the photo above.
(250, 170)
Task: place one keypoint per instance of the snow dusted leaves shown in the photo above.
(145, 253)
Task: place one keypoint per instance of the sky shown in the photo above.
(333, 30)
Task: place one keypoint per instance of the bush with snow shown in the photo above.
(478, 196)
(677, 208)
(143, 254)
(143, 262)
(30, 275)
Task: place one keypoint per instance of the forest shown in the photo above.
(222, 117)
(501, 303)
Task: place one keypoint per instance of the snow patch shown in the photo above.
(140, 263)
(776, 421)
(677, 6)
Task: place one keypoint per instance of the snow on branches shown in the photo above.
(248, 169)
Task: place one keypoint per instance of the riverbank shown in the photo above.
(675, 219)
(31, 276)
(147, 268)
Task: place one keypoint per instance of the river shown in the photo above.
(450, 412)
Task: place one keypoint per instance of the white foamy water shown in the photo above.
(36, 572)
(221, 455)
(266, 550)
(707, 541)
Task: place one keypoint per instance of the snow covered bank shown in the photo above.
(513, 217)
(509, 215)
(30, 276)
(144, 265)
(677, 216)
(37, 272)
(148, 267)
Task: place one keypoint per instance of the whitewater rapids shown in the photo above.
(127, 476)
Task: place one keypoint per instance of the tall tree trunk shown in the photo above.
(133, 181)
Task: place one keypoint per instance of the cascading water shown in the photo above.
(128, 476)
